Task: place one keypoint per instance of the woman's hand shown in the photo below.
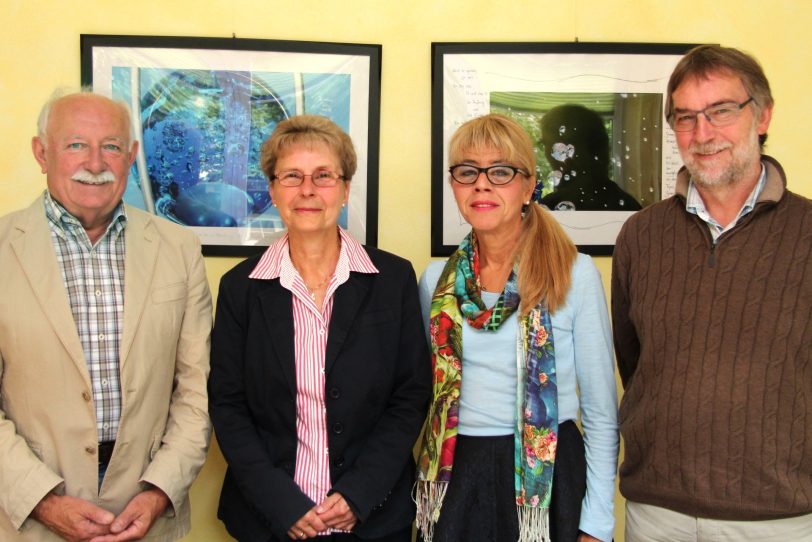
(308, 526)
(583, 537)
(336, 513)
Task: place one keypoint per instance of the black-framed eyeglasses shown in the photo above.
(498, 175)
(322, 178)
(718, 115)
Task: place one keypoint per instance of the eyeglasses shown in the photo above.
(718, 115)
(322, 178)
(498, 175)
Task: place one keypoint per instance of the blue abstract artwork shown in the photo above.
(201, 133)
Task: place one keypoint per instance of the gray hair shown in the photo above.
(66, 92)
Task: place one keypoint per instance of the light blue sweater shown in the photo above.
(585, 377)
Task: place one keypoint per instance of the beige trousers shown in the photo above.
(647, 523)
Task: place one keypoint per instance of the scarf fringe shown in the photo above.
(429, 496)
(534, 524)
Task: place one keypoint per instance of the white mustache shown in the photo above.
(85, 176)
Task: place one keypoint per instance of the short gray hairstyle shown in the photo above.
(308, 130)
(67, 92)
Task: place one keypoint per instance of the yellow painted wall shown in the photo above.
(39, 50)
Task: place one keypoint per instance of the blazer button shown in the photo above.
(338, 428)
(335, 393)
(340, 462)
(86, 396)
(90, 449)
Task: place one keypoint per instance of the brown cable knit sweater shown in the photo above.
(714, 347)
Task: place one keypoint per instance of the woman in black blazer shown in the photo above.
(320, 372)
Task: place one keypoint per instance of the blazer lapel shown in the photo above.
(141, 246)
(347, 301)
(276, 304)
(35, 251)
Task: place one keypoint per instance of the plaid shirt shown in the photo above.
(695, 205)
(94, 280)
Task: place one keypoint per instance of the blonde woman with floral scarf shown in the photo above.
(523, 317)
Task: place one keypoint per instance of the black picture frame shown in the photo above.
(526, 80)
(242, 87)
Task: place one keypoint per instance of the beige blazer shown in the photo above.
(47, 417)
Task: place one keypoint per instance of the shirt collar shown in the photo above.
(276, 259)
(695, 205)
(65, 222)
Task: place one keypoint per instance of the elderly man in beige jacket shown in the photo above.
(104, 346)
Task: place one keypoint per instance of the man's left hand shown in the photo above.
(336, 513)
(134, 522)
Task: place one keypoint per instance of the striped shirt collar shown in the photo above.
(695, 205)
(276, 262)
(64, 222)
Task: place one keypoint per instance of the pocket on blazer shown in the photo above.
(36, 449)
(155, 446)
(170, 292)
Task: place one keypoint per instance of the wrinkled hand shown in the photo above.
(583, 537)
(134, 522)
(307, 526)
(336, 513)
(72, 518)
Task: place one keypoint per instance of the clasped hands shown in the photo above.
(333, 513)
(78, 520)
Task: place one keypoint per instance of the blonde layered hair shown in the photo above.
(545, 253)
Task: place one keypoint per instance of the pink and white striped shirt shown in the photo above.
(310, 328)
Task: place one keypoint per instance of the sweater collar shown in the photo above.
(774, 187)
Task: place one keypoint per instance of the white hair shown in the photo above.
(66, 92)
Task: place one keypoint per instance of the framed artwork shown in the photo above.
(202, 107)
(594, 112)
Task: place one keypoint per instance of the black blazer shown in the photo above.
(378, 383)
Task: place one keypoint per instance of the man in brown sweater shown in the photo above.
(712, 310)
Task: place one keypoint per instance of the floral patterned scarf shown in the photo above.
(458, 295)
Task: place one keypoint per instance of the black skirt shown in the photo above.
(481, 504)
(402, 536)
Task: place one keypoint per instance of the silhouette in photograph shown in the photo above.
(577, 149)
